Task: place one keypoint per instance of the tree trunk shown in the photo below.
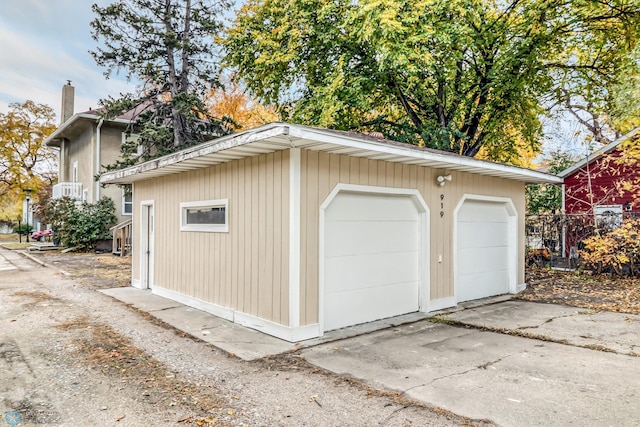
(178, 131)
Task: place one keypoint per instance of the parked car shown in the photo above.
(41, 235)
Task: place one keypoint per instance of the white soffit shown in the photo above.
(281, 136)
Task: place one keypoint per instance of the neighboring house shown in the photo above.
(85, 143)
(294, 231)
(599, 186)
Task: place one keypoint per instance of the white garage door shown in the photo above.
(484, 250)
(372, 258)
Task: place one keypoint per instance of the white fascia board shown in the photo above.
(446, 160)
(300, 134)
(76, 117)
(221, 144)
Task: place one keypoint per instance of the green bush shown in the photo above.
(80, 226)
(24, 229)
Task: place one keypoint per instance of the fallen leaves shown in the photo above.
(601, 293)
(200, 421)
(95, 271)
(115, 356)
(38, 297)
(314, 399)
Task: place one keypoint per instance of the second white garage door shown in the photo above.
(372, 258)
(485, 249)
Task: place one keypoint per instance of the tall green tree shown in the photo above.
(462, 75)
(626, 102)
(169, 46)
(547, 198)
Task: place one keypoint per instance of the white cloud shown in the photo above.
(44, 44)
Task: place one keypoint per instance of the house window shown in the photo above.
(132, 138)
(608, 217)
(206, 215)
(85, 195)
(127, 202)
(74, 173)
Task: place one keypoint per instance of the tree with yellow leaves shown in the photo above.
(232, 103)
(25, 163)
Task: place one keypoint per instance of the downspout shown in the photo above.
(100, 123)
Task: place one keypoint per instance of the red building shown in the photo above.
(602, 187)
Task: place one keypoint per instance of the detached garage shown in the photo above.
(295, 231)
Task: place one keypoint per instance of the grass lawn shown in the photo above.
(15, 245)
(13, 237)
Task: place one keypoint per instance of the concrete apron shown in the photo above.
(510, 380)
(465, 367)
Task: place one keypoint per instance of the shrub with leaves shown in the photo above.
(56, 212)
(617, 251)
(24, 229)
(81, 226)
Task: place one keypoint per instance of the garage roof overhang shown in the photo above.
(282, 136)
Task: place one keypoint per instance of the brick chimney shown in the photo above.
(68, 94)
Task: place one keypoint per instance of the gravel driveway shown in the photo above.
(72, 356)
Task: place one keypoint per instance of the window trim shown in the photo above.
(124, 203)
(134, 138)
(74, 172)
(609, 215)
(209, 228)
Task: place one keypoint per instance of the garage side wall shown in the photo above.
(245, 269)
(321, 172)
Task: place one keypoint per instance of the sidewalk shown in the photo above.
(242, 342)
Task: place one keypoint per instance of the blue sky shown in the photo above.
(44, 44)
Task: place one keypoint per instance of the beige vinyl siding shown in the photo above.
(110, 143)
(245, 269)
(320, 172)
(81, 150)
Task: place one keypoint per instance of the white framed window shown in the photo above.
(85, 195)
(132, 138)
(608, 216)
(74, 172)
(127, 203)
(206, 215)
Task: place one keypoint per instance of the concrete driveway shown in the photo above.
(553, 374)
(514, 363)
